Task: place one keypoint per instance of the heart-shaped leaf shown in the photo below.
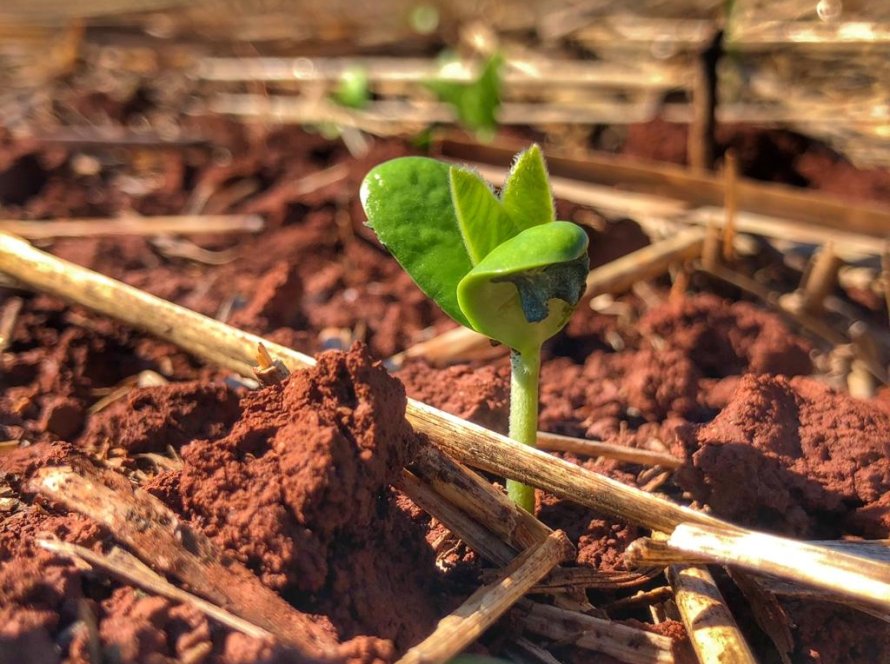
(408, 203)
(502, 267)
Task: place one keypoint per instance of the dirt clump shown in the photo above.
(297, 491)
(792, 456)
(149, 419)
(477, 394)
(724, 338)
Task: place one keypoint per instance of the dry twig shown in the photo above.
(626, 644)
(126, 568)
(143, 523)
(160, 225)
(482, 609)
(593, 448)
(863, 576)
(713, 631)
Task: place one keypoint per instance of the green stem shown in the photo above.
(525, 367)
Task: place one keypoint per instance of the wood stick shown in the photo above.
(388, 117)
(700, 141)
(626, 644)
(710, 257)
(847, 244)
(646, 551)
(536, 71)
(160, 225)
(820, 279)
(830, 568)
(143, 523)
(465, 441)
(8, 318)
(126, 568)
(730, 202)
(885, 274)
(476, 536)
(228, 347)
(768, 612)
(553, 442)
(454, 345)
(472, 493)
(619, 275)
(522, 649)
(587, 577)
(485, 606)
(696, 189)
(713, 631)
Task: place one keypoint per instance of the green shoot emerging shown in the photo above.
(476, 103)
(502, 266)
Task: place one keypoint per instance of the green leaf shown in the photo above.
(526, 195)
(353, 91)
(525, 290)
(483, 222)
(475, 103)
(408, 203)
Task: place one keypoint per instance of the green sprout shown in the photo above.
(502, 266)
(475, 103)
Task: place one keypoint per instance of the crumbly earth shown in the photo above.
(793, 456)
(293, 480)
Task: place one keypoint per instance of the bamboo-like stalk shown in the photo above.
(155, 533)
(465, 441)
(626, 644)
(813, 209)
(885, 274)
(730, 203)
(647, 551)
(228, 347)
(483, 608)
(525, 650)
(472, 493)
(8, 318)
(768, 612)
(126, 568)
(586, 577)
(553, 442)
(619, 275)
(865, 577)
(713, 631)
(820, 279)
(160, 225)
(537, 71)
(710, 257)
(454, 345)
(846, 242)
(474, 535)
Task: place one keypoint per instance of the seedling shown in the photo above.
(475, 103)
(502, 266)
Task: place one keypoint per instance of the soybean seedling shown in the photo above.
(502, 266)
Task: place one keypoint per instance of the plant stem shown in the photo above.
(525, 367)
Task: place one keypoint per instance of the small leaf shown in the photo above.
(526, 195)
(483, 221)
(524, 291)
(475, 103)
(353, 91)
(408, 203)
